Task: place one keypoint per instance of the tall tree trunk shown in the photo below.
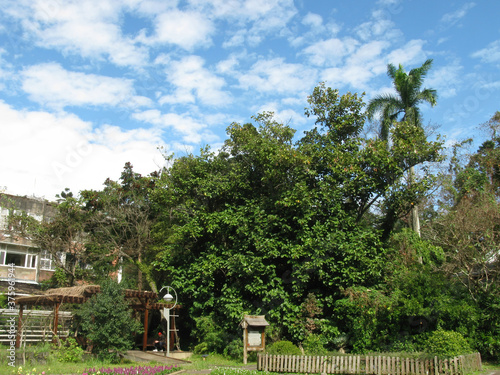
(139, 274)
(415, 221)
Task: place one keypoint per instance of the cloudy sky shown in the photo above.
(88, 85)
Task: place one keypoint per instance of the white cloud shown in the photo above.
(450, 19)
(355, 75)
(312, 19)
(446, 79)
(367, 53)
(193, 131)
(193, 82)
(379, 27)
(409, 53)
(330, 52)
(270, 13)
(490, 54)
(50, 84)
(43, 153)
(228, 65)
(285, 116)
(88, 28)
(277, 76)
(249, 20)
(237, 39)
(185, 29)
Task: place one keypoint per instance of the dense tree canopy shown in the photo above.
(302, 229)
(265, 222)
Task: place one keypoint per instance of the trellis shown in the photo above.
(55, 298)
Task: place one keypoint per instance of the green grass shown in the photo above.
(53, 366)
(209, 362)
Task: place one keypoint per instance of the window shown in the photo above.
(15, 258)
(46, 261)
(18, 259)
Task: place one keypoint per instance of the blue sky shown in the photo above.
(88, 85)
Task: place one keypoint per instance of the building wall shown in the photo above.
(31, 264)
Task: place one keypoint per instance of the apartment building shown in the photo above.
(30, 264)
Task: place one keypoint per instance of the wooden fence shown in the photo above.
(38, 325)
(376, 365)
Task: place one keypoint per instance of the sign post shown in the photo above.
(254, 337)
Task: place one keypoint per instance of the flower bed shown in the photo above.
(136, 370)
(236, 371)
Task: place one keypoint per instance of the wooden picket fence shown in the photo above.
(366, 364)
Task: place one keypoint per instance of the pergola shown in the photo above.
(138, 301)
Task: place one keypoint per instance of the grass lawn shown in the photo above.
(54, 367)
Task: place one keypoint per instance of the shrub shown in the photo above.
(283, 347)
(106, 320)
(211, 336)
(404, 344)
(69, 351)
(446, 344)
(314, 345)
(234, 349)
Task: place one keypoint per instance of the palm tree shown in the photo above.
(403, 106)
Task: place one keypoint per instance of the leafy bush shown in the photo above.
(69, 351)
(314, 345)
(106, 320)
(404, 344)
(234, 349)
(211, 337)
(446, 344)
(283, 347)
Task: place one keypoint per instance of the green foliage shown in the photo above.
(412, 249)
(283, 347)
(406, 101)
(120, 218)
(261, 225)
(314, 345)
(403, 345)
(446, 344)
(107, 321)
(234, 349)
(364, 312)
(212, 338)
(69, 351)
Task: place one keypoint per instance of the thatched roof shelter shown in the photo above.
(138, 300)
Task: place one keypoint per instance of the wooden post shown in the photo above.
(245, 342)
(19, 327)
(56, 319)
(145, 335)
(173, 331)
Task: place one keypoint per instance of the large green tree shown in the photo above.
(260, 225)
(120, 219)
(404, 106)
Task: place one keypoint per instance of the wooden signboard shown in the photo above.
(254, 337)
